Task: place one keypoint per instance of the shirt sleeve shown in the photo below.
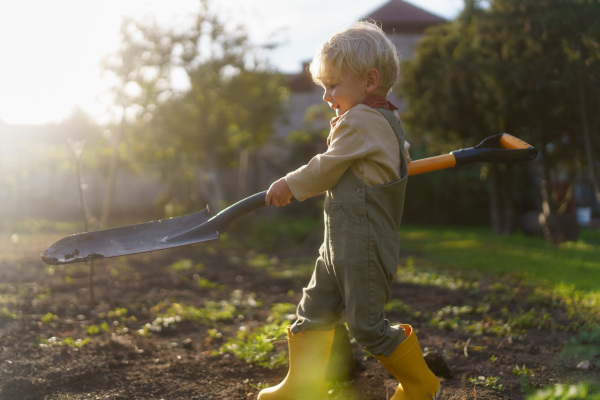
(346, 145)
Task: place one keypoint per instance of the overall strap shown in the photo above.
(400, 135)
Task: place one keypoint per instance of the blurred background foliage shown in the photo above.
(198, 107)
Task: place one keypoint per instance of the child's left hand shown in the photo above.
(279, 194)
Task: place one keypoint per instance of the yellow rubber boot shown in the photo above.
(407, 364)
(309, 357)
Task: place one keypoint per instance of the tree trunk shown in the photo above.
(111, 180)
(587, 141)
(243, 174)
(78, 151)
(549, 219)
(210, 185)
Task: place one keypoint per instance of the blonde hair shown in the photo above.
(356, 50)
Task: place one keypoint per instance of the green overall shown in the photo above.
(358, 259)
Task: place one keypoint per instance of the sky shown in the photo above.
(50, 50)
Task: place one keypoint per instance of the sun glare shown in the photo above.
(51, 51)
(50, 56)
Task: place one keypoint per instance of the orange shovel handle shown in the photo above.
(498, 148)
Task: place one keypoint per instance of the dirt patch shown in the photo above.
(50, 349)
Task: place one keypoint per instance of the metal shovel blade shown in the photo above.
(149, 236)
(132, 239)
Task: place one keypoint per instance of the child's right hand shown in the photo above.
(279, 194)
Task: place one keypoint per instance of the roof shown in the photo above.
(398, 16)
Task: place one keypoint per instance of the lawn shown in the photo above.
(574, 265)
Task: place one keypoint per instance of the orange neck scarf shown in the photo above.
(373, 101)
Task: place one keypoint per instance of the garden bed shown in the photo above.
(165, 324)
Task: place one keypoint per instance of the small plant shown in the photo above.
(118, 313)
(95, 330)
(214, 334)
(453, 318)
(411, 274)
(5, 312)
(256, 346)
(46, 319)
(397, 306)
(259, 386)
(68, 341)
(493, 359)
(522, 371)
(533, 319)
(182, 265)
(281, 312)
(168, 315)
(490, 381)
(207, 284)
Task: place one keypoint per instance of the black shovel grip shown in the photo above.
(221, 221)
(501, 148)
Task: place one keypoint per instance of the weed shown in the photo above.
(493, 359)
(5, 312)
(214, 334)
(256, 346)
(532, 319)
(282, 312)
(182, 265)
(168, 315)
(490, 381)
(522, 371)
(46, 319)
(262, 261)
(8, 299)
(410, 274)
(207, 284)
(118, 313)
(259, 386)
(95, 330)
(396, 305)
(68, 341)
(452, 318)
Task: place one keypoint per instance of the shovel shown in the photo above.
(200, 227)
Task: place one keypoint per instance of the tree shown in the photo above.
(200, 97)
(528, 67)
(452, 102)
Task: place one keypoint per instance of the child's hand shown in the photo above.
(279, 194)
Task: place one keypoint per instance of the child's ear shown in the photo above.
(372, 80)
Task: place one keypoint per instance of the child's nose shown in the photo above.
(326, 95)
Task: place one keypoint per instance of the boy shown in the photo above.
(363, 174)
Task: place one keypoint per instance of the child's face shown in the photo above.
(344, 93)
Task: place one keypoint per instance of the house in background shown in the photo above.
(404, 23)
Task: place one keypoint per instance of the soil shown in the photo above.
(41, 306)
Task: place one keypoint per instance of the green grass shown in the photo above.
(574, 265)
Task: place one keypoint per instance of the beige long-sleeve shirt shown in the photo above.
(362, 139)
